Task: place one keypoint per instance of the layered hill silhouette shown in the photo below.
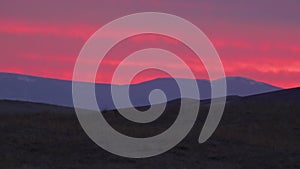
(258, 131)
(59, 92)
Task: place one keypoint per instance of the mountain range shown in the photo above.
(59, 92)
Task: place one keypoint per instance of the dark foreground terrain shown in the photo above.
(261, 131)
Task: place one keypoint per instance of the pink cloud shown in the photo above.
(44, 38)
(20, 27)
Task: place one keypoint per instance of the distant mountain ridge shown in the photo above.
(59, 92)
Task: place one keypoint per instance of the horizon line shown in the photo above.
(145, 81)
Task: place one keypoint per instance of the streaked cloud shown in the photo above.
(254, 39)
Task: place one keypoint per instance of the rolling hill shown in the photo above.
(258, 131)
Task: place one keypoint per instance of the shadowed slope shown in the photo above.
(259, 131)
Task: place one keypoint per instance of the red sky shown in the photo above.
(256, 39)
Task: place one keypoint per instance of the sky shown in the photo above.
(258, 39)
